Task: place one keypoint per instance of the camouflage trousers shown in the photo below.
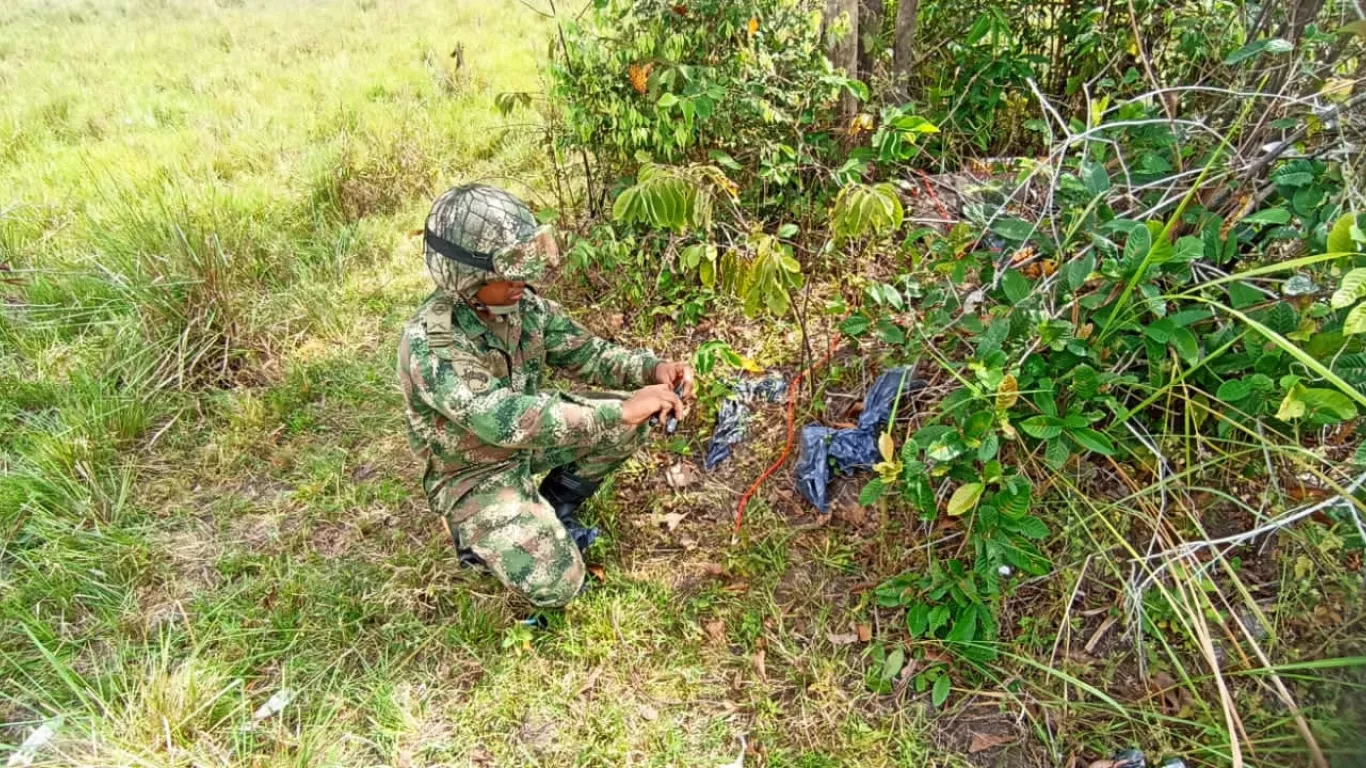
(514, 530)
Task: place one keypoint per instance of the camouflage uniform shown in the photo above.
(476, 415)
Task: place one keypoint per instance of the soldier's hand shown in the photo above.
(656, 399)
(675, 375)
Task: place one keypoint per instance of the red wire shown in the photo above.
(791, 432)
(925, 181)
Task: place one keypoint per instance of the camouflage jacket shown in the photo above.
(472, 390)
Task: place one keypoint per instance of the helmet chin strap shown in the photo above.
(500, 310)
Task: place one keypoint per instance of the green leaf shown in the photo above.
(871, 492)
(1258, 47)
(895, 660)
(1356, 320)
(1188, 249)
(1015, 230)
(890, 333)
(1137, 246)
(1292, 407)
(1042, 427)
(1056, 453)
(1268, 216)
(918, 620)
(1234, 390)
(1186, 345)
(1077, 271)
(964, 499)
(940, 694)
(1352, 288)
(1015, 285)
(1340, 236)
(1093, 440)
(855, 325)
(1094, 177)
(1330, 401)
(1242, 295)
(1031, 527)
(667, 100)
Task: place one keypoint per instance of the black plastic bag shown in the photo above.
(854, 448)
(734, 414)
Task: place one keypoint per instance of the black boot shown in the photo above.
(566, 492)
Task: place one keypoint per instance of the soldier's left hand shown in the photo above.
(675, 375)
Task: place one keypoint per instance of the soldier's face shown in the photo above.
(500, 293)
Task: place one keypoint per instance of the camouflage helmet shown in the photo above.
(476, 233)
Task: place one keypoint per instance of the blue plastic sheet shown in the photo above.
(849, 449)
(734, 415)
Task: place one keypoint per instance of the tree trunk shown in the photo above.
(844, 52)
(870, 29)
(903, 45)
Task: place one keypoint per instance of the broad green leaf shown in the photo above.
(1234, 390)
(1031, 527)
(918, 620)
(940, 694)
(871, 492)
(1015, 285)
(1268, 216)
(1042, 427)
(1242, 295)
(1292, 407)
(1015, 230)
(1331, 401)
(1356, 320)
(667, 100)
(1094, 177)
(1077, 271)
(964, 628)
(1186, 345)
(1056, 453)
(896, 659)
(1257, 47)
(964, 499)
(1340, 236)
(855, 325)
(1137, 246)
(1093, 440)
(1188, 249)
(1353, 285)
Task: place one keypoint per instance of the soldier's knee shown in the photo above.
(556, 588)
(545, 569)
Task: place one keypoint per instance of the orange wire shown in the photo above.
(925, 182)
(791, 432)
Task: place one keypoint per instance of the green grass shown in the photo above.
(207, 495)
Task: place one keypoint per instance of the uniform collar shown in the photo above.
(475, 327)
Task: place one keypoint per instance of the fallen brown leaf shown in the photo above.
(598, 572)
(865, 632)
(648, 712)
(680, 475)
(844, 639)
(716, 630)
(981, 742)
(672, 519)
(713, 569)
(759, 667)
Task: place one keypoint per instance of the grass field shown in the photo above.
(208, 503)
(207, 497)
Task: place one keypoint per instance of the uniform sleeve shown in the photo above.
(570, 346)
(463, 391)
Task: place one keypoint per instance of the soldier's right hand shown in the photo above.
(656, 399)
